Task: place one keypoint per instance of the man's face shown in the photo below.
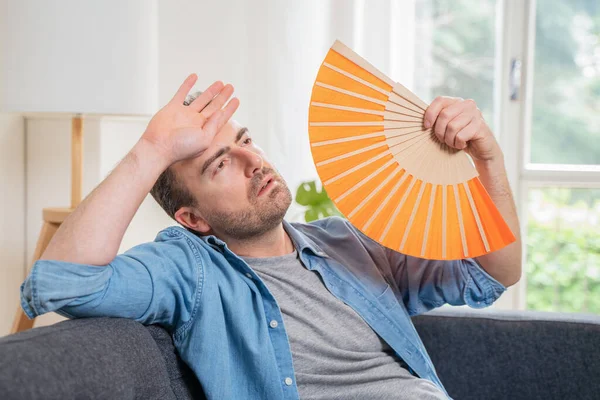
(228, 181)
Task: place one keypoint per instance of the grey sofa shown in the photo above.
(479, 354)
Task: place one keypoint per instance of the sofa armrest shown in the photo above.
(495, 354)
(83, 359)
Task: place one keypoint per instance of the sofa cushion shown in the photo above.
(184, 383)
(95, 358)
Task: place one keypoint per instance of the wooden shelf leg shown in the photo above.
(21, 321)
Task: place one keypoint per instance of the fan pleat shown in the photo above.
(329, 96)
(392, 178)
(326, 153)
(352, 182)
(345, 66)
(320, 134)
(333, 77)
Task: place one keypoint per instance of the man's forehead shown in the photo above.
(227, 134)
(224, 137)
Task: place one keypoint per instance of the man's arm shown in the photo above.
(80, 273)
(503, 264)
(460, 124)
(93, 233)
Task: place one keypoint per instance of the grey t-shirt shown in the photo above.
(336, 354)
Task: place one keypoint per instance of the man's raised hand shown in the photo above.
(180, 132)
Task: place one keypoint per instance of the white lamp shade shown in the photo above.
(79, 56)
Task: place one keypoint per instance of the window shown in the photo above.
(561, 177)
(455, 51)
(534, 70)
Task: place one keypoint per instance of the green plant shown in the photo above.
(317, 202)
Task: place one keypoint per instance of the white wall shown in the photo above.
(12, 212)
(269, 50)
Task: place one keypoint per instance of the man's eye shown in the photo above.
(221, 165)
(247, 141)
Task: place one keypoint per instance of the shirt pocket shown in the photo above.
(388, 298)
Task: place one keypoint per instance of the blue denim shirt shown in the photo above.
(220, 312)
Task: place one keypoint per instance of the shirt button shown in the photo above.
(249, 275)
(288, 381)
(273, 324)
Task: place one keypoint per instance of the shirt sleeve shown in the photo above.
(153, 283)
(427, 284)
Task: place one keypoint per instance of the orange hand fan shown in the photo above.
(392, 179)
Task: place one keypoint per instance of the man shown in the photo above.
(258, 307)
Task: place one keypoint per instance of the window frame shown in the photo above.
(515, 39)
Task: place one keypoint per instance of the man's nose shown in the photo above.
(251, 161)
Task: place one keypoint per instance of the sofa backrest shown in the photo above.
(489, 354)
(110, 358)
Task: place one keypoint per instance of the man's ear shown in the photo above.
(192, 219)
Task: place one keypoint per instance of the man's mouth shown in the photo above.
(267, 185)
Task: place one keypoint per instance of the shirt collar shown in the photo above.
(299, 239)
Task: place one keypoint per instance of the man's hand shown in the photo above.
(180, 131)
(460, 124)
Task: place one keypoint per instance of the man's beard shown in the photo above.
(266, 213)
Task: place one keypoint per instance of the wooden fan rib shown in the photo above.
(412, 216)
(387, 199)
(321, 133)
(347, 139)
(460, 221)
(476, 215)
(324, 153)
(405, 113)
(403, 92)
(361, 123)
(364, 181)
(394, 98)
(451, 171)
(351, 170)
(338, 113)
(428, 221)
(391, 133)
(394, 116)
(374, 192)
(327, 96)
(391, 106)
(424, 162)
(403, 140)
(347, 108)
(350, 154)
(356, 79)
(346, 52)
(411, 159)
(444, 217)
(402, 147)
(350, 93)
(400, 124)
(397, 210)
(432, 238)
